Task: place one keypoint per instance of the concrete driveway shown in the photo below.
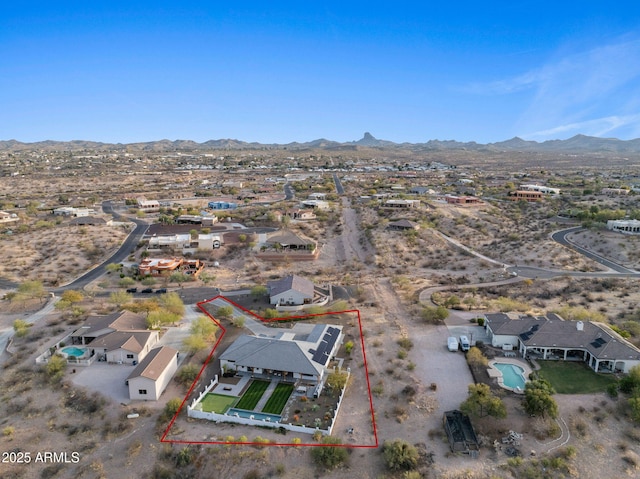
(436, 364)
(108, 379)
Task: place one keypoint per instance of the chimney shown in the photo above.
(579, 325)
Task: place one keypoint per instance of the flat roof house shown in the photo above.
(551, 337)
(152, 375)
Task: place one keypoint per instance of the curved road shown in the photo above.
(561, 238)
(123, 252)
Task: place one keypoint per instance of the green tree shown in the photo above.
(331, 454)
(170, 409)
(172, 302)
(348, 347)
(337, 380)
(224, 312)
(113, 267)
(399, 455)
(204, 327)
(259, 291)
(538, 400)
(434, 314)
(194, 343)
(145, 306)
(31, 289)
(72, 296)
(452, 301)
(21, 327)
(161, 317)
(270, 313)
(55, 368)
(475, 358)
(481, 402)
(126, 282)
(120, 297)
(631, 382)
(179, 278)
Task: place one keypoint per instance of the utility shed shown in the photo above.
(462, 437)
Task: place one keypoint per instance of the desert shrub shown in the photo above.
(330, 455)
(187, 374)
(475, 358)
(170, 409)
(55, 368)
(405, 343)
(399, 455)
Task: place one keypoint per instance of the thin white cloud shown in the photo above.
(596, 127)
(595, 92)
(588, 92)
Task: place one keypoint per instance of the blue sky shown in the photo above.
(285, 71)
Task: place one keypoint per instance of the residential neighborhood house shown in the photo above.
(551, 337)
(298, 355)
(152, 375)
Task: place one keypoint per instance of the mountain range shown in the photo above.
(575, 144)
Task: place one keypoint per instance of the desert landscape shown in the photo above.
(397, 265)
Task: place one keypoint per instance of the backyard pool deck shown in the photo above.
(497, 374)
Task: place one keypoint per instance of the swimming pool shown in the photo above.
(73, 351)
(512, 375)
(258, 416)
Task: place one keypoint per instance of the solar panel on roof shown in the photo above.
(595, 344)
(600, 341)
(325, 346)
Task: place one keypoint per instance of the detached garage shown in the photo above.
(150, 378)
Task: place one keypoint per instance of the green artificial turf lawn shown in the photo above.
(278, 399)
(252, 396)
(217, 403)
(574, 377)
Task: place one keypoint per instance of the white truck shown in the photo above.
(464, 343)
(452, 343)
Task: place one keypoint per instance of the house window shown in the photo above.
(142, 391)
(129, 356)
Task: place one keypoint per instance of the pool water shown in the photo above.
(512, 375)
(258, 416)
(73, 351)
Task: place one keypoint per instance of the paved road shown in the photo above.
(289, 193)
(339, 187)
(561, 237)
(123, 252)
(7, 333)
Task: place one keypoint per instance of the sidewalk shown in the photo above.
(267, 394)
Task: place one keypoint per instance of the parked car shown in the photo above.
(132, 290)
(464, 343)
(147, 291)
(161, 291)
(452, 343)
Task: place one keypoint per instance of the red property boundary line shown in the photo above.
(263, 320)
